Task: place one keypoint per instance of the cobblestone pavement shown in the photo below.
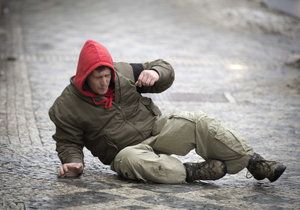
(231, 60)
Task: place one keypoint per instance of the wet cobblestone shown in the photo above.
(230, 57)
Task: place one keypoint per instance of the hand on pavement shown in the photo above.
(147, 78)
(70, 170)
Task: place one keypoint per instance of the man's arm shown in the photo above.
(153, 77)
(69, 153)
(69, 147)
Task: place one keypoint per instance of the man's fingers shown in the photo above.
(65, 168)
(152, 82)
(147, 78)
(138, 83)
(148, 81)
(61, 171)
(141, 79)
(70, 170)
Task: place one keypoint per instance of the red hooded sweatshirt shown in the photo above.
(94, 55)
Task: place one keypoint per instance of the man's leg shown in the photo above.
(241, 155)
(139, 162)
(186, 131)
(215, 141)
(179, 136)
(222, 150)
(212, 141)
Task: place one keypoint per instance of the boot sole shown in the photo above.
(277, 173)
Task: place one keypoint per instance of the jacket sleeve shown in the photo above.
(132, 71)
(166, 76)
(69, 145)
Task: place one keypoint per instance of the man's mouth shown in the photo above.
(102, 90)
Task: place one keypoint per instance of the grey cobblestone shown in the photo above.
(20, 121)
(230, 60)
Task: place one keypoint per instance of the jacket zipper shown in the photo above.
(120, 109)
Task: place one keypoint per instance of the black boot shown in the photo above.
(208, 170)
(261, 168)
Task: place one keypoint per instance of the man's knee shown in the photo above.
(129, 156)
(126, 152)
(132, 152)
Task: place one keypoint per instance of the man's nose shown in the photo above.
(104, 81)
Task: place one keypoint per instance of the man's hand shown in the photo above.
(147, 78)
(70, 170)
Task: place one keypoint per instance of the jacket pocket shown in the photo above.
(148, 103)
(103, 148)
(110, 152)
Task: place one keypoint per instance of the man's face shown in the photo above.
(99, 80)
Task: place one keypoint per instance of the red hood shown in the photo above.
(92, 55)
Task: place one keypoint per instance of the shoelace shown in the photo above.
(262, 163)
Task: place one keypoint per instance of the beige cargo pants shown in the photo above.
(179, 134)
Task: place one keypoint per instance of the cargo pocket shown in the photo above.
(217, 131)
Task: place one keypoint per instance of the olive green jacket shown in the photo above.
(80, 123)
